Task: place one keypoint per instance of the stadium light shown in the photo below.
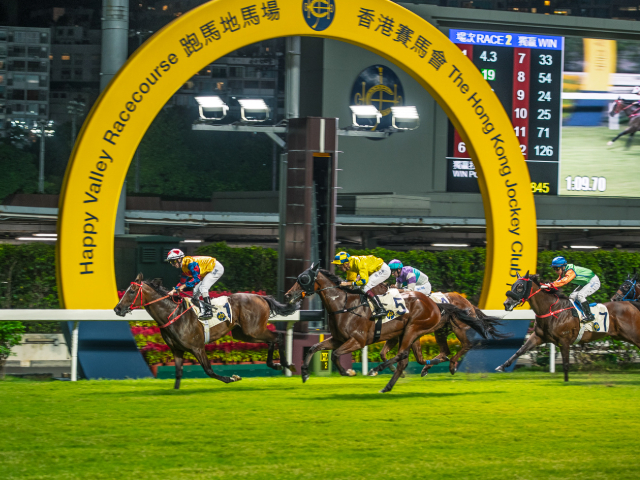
(37, 239)
(407, 116)
(584, 246)
(368, 112)
(192, 241)
(253, 110)
(214, 106)
(45, 234)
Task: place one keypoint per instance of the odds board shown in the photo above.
(525, 71)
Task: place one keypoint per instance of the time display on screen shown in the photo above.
(525, 72)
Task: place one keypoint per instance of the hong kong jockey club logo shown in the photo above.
(319, 13)
(379, 86)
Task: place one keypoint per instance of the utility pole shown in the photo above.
(42, 125)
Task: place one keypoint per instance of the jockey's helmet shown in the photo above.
(175, 256)
(395, 264)
(340, 258)
(636, 90)
(558, 262)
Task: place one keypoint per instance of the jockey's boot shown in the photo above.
(206, 311)
(380, 311)
(587, 312)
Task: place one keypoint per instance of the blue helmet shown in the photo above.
(558, 262)
(395, 264)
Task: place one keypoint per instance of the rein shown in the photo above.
(142, 305)
(551, 313)
(346, 299)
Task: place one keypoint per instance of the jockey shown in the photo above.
(587, 281)
(197, 272)
(409, 278)
(365, 271)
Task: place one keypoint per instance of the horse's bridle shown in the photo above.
(133, 306)
(631, 290)
(307, 281)
(529, 295)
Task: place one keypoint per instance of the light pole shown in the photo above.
(45, 129)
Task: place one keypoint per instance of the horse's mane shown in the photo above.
(156, 285)
(334, 278)
(536, 279)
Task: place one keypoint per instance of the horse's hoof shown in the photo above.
(384, 390)
(292, 368)
(609, 144)
(278, 366)
(235, 378)
(372, 373)
(351, 372)
(500, 369)
(305, 378)
(402, 374)
(424, 372)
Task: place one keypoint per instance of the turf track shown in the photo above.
(497, 426)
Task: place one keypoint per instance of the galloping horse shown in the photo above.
(556, 324)
(183, 332)
(628, 291)
(459, 329)
(351, 328)
(632, 110)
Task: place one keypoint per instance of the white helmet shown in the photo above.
(175, 254)
(636, 90)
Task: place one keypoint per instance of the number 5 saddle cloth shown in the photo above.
(393, 303)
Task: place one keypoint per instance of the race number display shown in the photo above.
(525, 72)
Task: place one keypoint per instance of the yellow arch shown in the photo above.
(126, 108)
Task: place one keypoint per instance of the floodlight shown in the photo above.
(253, 110)
(453, 245)
(368, 112)
(212, 105)
(407, 117)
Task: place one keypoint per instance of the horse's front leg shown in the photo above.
(564, 349)
(630, 140)
(387, 347)
(533, 341)
(178, 356)
(624, 132)
(349, 346)
(328, 344)
(201, 354)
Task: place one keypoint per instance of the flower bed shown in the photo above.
(429, 349)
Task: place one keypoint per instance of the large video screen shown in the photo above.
(560, 94)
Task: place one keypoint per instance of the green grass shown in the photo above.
(471, 426)
(585, 153)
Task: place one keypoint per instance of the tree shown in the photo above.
(10, 335)
(19, 173)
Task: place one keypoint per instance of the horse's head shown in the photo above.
(617, 107)
(305, 285)
(626, 291)
(519, 293)
(132, 295)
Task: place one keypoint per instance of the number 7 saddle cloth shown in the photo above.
(393, 303)
(600, 325)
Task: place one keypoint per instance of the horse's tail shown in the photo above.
(491, 324)
(278, 308)
(484, 328)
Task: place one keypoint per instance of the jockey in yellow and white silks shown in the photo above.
(364, 271)
(199, 273)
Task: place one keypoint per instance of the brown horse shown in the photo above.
(628, 291)
(556, 324)
(459, 329)
(632, 110)
(183, 332)
(351, 328)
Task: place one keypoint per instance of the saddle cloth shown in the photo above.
(222, 312)
(439, 297)
(600, 325)
(393, 303)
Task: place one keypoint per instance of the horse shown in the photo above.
(459, 329)
(350, 326)
(183, 332)
(634, 118)
(628, 291)
(555, 322)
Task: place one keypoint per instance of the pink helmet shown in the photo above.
(175, 254)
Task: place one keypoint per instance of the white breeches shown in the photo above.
(376, 278)
(425, 288)
(581, 293)
(202, 289)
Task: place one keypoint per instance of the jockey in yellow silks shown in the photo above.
(364, 271)
(199, 273)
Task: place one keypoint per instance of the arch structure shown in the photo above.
(125, 109)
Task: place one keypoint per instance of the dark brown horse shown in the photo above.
(556, 324)
(183, 332)
(459, 329)
(632, 110)
(628, 291)
(351, 328)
